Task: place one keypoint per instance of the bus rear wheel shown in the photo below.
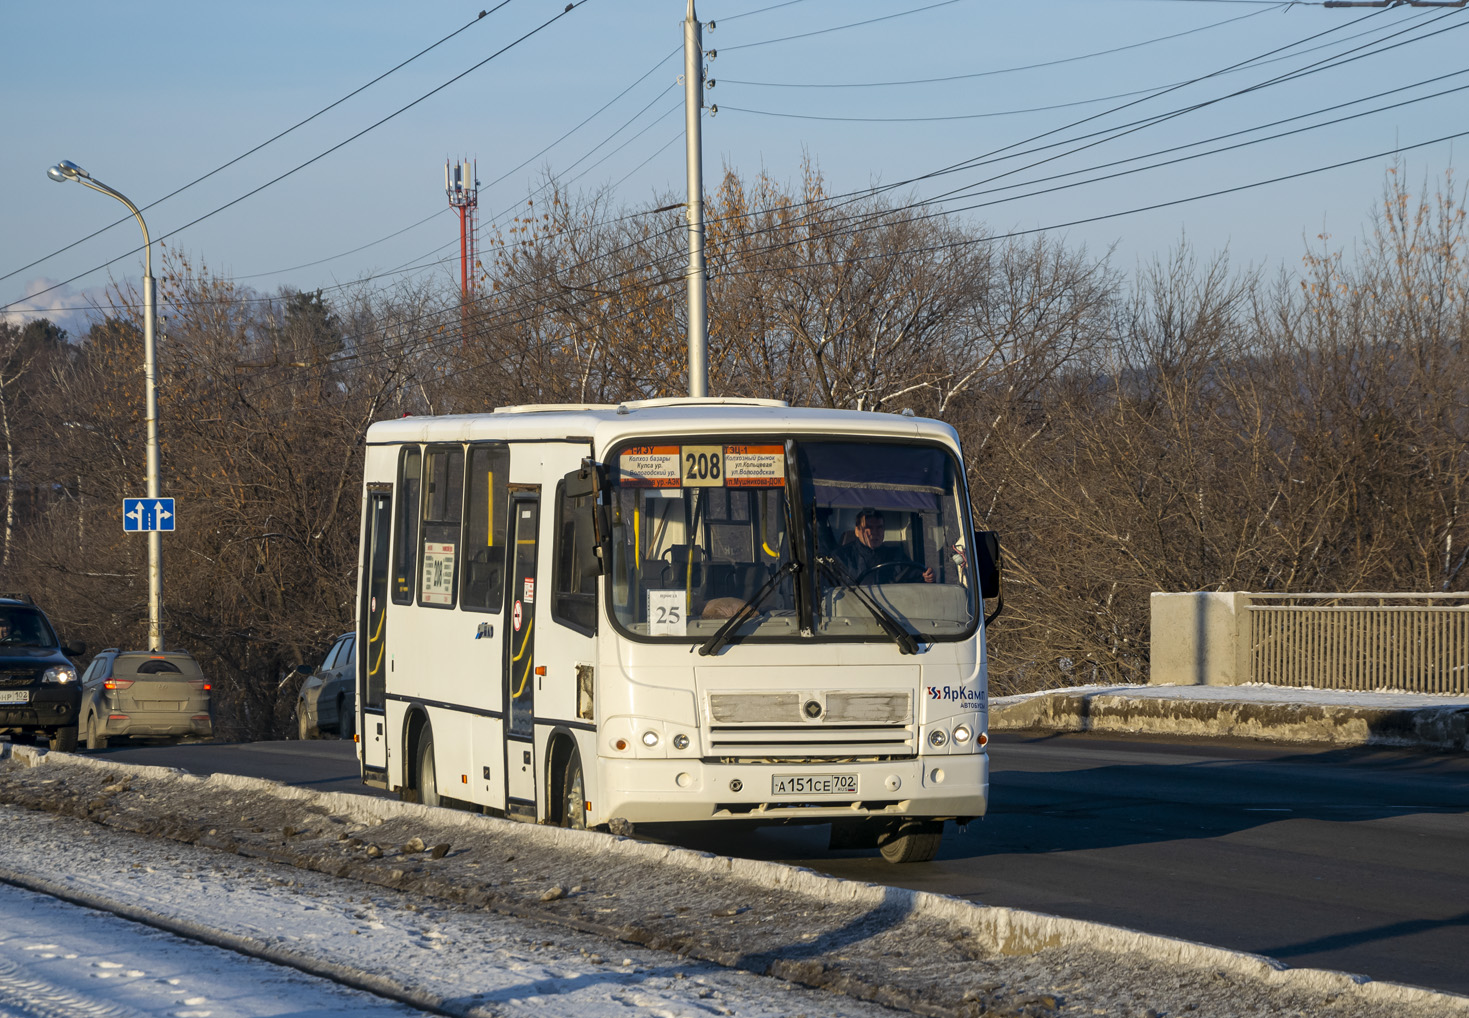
(428, 781)
(574, 794)
(911, 841)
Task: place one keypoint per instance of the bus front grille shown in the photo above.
(836, 707)
(790, 743)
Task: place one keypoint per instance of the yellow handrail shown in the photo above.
(524, 642)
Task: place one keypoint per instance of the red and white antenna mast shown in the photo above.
(461, 184)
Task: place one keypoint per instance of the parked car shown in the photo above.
(328, 698)
(39, 691)
(154, 694)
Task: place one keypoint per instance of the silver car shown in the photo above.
(155, 694)
(328, 698)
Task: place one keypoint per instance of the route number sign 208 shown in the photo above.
(703, 466)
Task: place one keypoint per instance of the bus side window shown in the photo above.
(405, 532)
(484, 528)
(574, 577)
(443, 506)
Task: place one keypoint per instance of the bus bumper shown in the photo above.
(671, 791)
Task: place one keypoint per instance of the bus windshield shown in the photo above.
(854, 538)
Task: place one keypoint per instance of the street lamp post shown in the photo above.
(62, 172)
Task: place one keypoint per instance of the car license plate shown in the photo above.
(15, 696)
(813, 784)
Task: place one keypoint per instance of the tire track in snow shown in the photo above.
(343, 975)
(22, 996)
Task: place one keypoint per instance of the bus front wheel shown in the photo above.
(911, 841)
(574, 794)
(428, 781)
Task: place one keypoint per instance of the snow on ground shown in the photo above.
(60, 961)
(1256, 692)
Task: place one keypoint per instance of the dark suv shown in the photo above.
(39, 691)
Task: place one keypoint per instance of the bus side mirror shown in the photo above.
(990, 571)
(581, 483)
(988, 564)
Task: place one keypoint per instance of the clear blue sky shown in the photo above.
(149, 96)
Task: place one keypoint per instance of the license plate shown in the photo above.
(15, 696)
(813, 784)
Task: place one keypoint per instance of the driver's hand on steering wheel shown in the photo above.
(928, 576)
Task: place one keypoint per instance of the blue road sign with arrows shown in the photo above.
(143, 514)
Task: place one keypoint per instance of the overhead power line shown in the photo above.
(322, 155)
(271, 140)
(841, 28)
(443, 210)
(1278, 4)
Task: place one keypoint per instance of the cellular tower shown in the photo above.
(462, 187)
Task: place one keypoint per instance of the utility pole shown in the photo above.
(698, 274)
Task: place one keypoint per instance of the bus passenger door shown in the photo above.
(520, 660)
(372, 640)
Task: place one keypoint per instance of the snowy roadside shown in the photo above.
(61, 961)
(917, 952)
(1259, 692)
(65, 960)
(1284, 714)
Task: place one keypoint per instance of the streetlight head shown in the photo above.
(66, 170)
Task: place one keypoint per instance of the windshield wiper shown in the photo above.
(747, 611)
(839, 575)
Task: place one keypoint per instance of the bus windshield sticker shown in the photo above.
(530, 590)
(666, 613)
(754, 466)
(438, 574)
(649, 466)
(703, 466)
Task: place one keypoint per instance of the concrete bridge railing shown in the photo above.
(1366, 641)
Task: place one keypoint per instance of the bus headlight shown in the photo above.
(680, 741)
(962, 735)
(938, 737)
(650, 738)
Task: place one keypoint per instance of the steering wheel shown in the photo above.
(896, 563)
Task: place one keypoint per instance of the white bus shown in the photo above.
(677, 610)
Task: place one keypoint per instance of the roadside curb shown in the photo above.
(1002, 931)
(1444, 729)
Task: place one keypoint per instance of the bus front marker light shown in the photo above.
(619, 745)
(962, 734)
(650, 739)
(938, 737)
(680, 741)
(736, 785)
(983, 740)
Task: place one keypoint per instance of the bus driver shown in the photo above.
(868, 558)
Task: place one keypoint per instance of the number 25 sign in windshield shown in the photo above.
(702, 466)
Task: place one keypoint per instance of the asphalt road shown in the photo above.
(1342, 859)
